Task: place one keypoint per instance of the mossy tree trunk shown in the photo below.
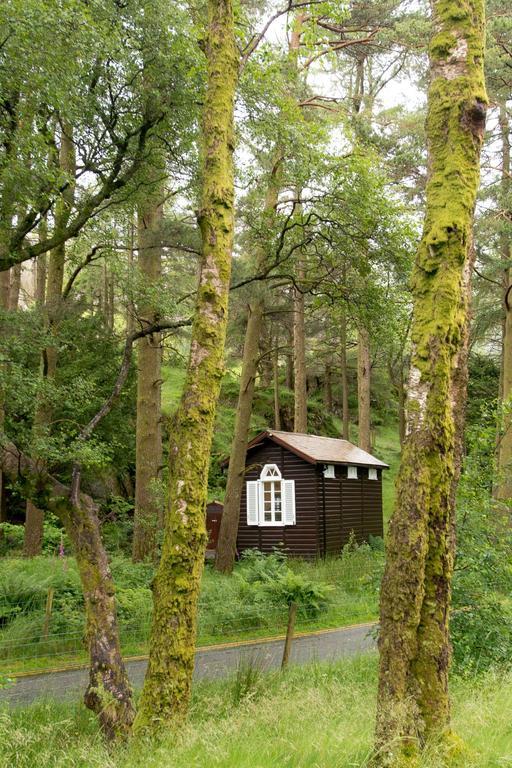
(503, 489)
(148, 448)
(363, 388)
(413, 701)
(167, 687)
(108, 692)
(226, 545)
(5, 281)
(43, 416)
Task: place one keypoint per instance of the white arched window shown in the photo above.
(271, 500)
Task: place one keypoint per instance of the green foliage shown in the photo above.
(481, 624)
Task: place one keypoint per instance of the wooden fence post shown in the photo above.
(48, 612)
(292, 613)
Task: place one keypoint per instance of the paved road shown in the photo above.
(215, 662)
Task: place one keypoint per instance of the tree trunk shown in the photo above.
(14, 289)
(363, 389)
(108, 692)
(40, 293)
(148, 448)
(503, 489)
(277, 401)
(226, 545)
(345, 413)
(413, 702)
(34, 518)
(300, 417)
(5, 282)
(328, 388)
(401, 407)
(167, 687)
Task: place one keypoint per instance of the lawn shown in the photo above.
(318, 716)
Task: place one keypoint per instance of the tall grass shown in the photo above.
(231, 607)
(319, 716)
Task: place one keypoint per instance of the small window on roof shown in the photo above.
(329, 471)
(372, 474)
(352, 473)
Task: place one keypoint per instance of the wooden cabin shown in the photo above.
(308, 494)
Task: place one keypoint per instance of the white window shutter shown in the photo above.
(252, 502)
(289, 501)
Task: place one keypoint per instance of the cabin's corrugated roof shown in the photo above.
(317, 449)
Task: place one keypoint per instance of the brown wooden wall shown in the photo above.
(300, 539)
(350, 506)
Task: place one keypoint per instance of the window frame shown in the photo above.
(270, 474)
(373, 473)
(353, 469)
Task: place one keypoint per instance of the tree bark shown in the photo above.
(363, 389)
(300, 415)
(108, 693)
(413, 701)
(15, 286)
(226, 545)
(148, 449)
(345, 413)
(328, 387)
(503, 489)
(277, 401)
(167, 687)
(5, 282)
(34, 518)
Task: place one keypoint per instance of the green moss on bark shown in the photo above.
(166, 693)
(413, 700)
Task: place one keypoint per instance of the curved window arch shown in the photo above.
(270, 471)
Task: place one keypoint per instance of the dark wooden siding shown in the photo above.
(300, 539)
(331, 492)
(372, 505)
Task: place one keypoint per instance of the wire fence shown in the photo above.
(47, 630)
(42, 633)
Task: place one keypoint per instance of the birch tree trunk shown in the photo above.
(167, 687)
(363, 389)
(413, 701)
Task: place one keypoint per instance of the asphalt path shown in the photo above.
(210, 663)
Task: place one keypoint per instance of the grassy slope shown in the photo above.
(320, 716)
